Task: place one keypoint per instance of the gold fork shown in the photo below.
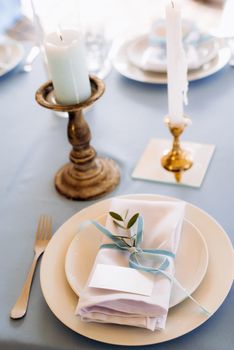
(43, 235)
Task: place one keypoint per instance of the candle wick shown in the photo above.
(59, 33)
(172, 4)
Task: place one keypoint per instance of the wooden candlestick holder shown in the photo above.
(86, 176)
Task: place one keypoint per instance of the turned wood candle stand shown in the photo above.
(86, 176)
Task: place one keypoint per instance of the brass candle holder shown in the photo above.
(86, 176)
(177, 160)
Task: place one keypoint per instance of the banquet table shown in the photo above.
(34, 146)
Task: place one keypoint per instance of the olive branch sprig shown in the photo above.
(126, 225)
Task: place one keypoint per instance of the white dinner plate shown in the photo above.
(11, 54)
(182, 318)
(191, 259)
(153, 58)
(122, 64)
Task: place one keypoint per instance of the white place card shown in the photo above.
(123, 279)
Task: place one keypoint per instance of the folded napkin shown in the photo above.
(198, 53)
(162, 226)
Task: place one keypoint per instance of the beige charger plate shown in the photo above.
(122, 64)
(11, 54)
(211, 293)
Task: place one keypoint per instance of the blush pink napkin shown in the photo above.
(162, 226)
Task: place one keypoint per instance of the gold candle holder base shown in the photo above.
(177, 160)
(86, 176)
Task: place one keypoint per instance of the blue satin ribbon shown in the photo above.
(159, 258)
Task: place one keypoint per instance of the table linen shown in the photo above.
(34, 147)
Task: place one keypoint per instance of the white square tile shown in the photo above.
(149, 166)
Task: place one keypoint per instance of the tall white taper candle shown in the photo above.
(176, 64)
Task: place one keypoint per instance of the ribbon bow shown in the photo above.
(159, 258)
(155, 260)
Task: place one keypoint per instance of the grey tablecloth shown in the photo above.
(34, 146)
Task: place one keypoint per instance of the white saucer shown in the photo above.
(122, 64)
(11, 54)
(153, 58)
(191, 259)
(181, 319)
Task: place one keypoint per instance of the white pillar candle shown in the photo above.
(66, 57)
(176, 64)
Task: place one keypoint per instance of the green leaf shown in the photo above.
(132, 221)
(115, 216)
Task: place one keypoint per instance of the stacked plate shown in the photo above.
(205, 253)
(11, 54)
(144, 57)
